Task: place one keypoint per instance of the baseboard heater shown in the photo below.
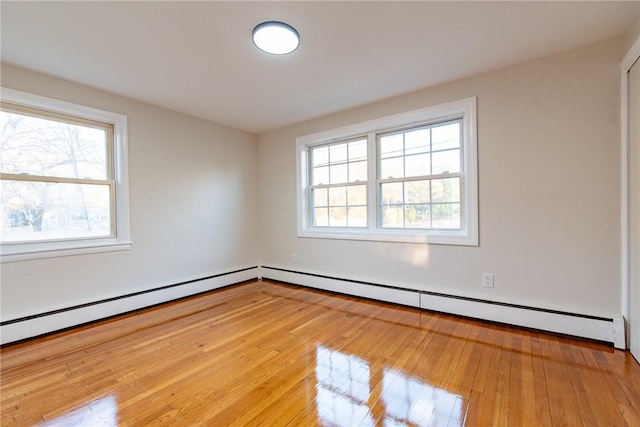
(604, 329)
(33, 325)
(610, 330)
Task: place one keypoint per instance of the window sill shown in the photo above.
(439, 237)
(32, 251)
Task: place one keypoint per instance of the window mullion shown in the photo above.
(373, 165)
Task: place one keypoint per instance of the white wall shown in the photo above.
(549, 191)
(548, 142)
(631, 35)
(192, 194)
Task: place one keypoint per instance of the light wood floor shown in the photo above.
(267, 354)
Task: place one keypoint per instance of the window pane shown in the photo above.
(358, 150)
(393, 216)
(417, 141)
(320, 197)
(418, 216)
(337, 196)
(391, 146)
(320, 156)
(358, 171)
(47, 211)
(320, 175)
(357, 217)
(338, 173)
(36, 146)
(446, 215)
(338, 217)
(391, 193)
(445, 190)
(445, 137)
(338, 153)
(357, 195)
(446, 161)
(321, 217)
(392, 168)
(417, 165)
(417, 192)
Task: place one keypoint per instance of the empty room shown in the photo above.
(320, 213)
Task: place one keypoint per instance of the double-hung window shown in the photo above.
(419, 177)
(410, 177)
(63, 178)
(339, 184)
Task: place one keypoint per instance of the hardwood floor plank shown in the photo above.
(269, 354)
(541, 405)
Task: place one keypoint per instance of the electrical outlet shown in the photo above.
(294, 258)
(487, 280)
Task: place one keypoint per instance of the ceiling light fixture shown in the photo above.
(276, 37)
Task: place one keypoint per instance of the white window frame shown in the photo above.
(23, 251)
(467, 235)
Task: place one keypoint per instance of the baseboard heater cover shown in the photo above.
(43, 323)
(597, 328)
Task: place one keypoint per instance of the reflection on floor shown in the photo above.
(269, 355)
(99, 413)
(344, 396)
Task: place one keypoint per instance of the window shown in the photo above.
(410, 177)
(419, 177)
(63, 177)
(339, 184)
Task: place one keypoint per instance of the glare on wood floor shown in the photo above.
(269, 354)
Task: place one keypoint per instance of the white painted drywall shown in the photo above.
(631, 35)
(192, 203)
(548, 142)
(549, 191)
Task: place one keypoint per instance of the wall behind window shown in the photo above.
(192, 202)
(548, 148)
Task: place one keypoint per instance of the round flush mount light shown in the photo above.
(276, 37)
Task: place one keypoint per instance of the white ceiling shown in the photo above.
(198, 58)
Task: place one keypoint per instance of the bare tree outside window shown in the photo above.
(56, 176)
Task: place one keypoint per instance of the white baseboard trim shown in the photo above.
(33, 326)
(590, 327)
(529, 317)
(578, 325)
(344, 286)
